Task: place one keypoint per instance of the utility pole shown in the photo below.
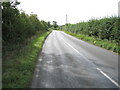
(66, 18)
(66, 21)
(119, 9)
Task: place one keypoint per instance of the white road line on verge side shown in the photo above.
(108, 77)
(115, 83)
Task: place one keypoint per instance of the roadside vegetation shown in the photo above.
(104, 32)
(22, 38)
(19, 67)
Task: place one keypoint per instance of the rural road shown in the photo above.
(67, 62)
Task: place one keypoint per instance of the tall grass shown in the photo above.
(18, 68)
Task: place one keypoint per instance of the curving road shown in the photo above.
(67, 62)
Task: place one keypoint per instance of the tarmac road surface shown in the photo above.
(67, 62)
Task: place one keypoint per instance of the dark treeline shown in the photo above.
(18, 26)
(22, 38)
(106, 28)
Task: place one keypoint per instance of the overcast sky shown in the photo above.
(76, 10)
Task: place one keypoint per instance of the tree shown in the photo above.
(55, 24)
(10, 14)
(48, 24)
(18, 26)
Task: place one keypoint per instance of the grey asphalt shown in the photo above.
(67, 62)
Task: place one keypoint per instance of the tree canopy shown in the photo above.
(18, 26)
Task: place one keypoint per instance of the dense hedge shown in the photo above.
(106, 28)
(18, 26)
(96, 41)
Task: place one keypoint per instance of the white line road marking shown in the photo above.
(75, 49)
(108, 77)
(97, 68)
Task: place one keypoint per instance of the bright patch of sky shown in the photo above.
(76, 10)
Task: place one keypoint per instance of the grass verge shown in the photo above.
(19, 68)
(98, 42)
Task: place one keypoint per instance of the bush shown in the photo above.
(17, 27)
(106, 28)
